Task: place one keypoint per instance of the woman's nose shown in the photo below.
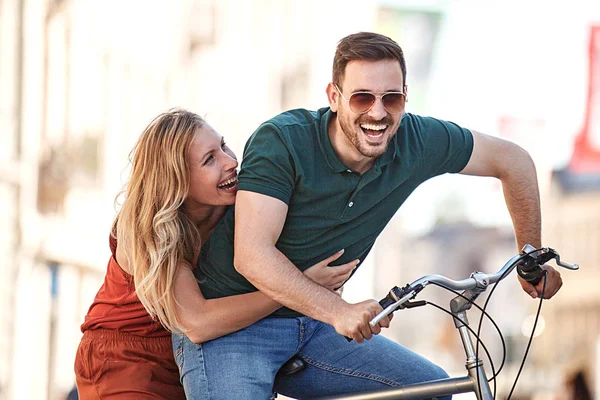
(230, 162)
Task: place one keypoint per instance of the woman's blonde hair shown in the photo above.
(152, 226)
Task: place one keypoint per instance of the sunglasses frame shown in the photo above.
(377, 96)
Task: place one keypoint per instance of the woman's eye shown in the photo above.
(223, 145)
(208, 160)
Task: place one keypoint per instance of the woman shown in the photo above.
(183, 179)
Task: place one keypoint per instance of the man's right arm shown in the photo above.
(259, 222)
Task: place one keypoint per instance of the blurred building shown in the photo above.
(80, 80)
(572, 226)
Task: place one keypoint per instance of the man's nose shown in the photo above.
(378, 111)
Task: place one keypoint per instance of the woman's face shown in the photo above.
(213, 174)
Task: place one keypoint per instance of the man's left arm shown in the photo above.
(514, 167)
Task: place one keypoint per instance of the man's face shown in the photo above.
(368, 134)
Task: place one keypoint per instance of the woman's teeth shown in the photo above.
(228, 184)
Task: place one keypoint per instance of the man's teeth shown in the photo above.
(228, 182)
(373, 127)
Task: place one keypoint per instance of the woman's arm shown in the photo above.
(205, 319)
(209, 319)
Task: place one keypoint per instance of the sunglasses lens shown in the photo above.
(361, 102)
(394, 102)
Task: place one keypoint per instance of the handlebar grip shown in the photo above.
(533, 276)
(529, 267)
(384, 303)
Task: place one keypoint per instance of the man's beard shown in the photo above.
(352, 133)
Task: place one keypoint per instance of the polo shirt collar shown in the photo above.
(330, 155)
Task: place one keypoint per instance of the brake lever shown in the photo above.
(572, 267)
(413, 304)
(530, 265)
(549, 254)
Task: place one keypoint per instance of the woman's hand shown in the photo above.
(331, 277)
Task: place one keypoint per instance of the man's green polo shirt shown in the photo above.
(330, 207)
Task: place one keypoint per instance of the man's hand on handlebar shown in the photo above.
(353, 322)
(553, 284)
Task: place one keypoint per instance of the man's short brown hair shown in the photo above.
(365, 46)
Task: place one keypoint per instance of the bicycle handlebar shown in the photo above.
(529, 268)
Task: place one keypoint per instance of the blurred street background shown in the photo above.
(80, 79)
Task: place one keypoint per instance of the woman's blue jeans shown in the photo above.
(244, 364)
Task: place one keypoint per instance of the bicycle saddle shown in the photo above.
(292, 366)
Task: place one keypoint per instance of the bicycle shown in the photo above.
(528, 265)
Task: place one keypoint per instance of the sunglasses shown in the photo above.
(362, 102)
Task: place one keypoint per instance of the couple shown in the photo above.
(311, 183)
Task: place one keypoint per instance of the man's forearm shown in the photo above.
(273, 274)
(516, 170)
(521, 193)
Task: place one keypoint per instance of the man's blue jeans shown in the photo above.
(244, 364)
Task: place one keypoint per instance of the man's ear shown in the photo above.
(332, 96)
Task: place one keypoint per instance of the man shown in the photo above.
(315, 182)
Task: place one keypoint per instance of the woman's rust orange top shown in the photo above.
(117, 306)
